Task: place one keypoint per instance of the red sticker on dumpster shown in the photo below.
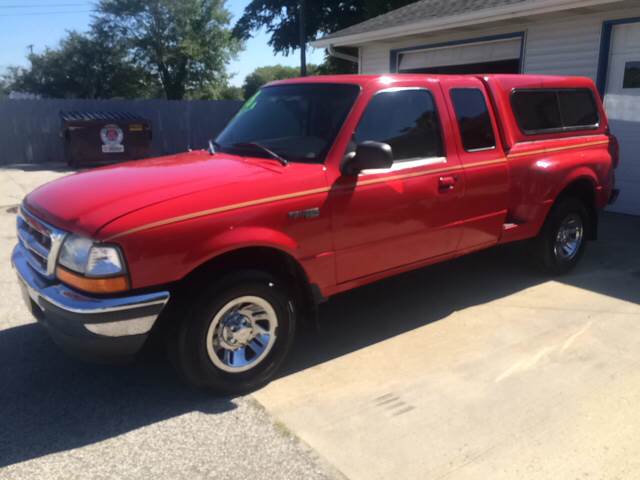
(112, 136)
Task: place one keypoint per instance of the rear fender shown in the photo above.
(577, 175)
(545, 188)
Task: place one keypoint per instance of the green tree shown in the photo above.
(280, 19)
(4, 87)
(231, 93)
(83, 66)
(184, 44)
(262, 75)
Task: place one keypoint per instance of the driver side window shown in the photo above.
(407, 120)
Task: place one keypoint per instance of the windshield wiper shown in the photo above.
(214, 147)
(267, 150)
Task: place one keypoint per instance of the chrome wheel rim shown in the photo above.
(241, 334)
(569, 238)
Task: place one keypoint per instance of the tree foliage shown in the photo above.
(280, 18)
(138, 48)
(4, 87)
(231, 92)
(83, 66)
(185, 44)
(263, 75)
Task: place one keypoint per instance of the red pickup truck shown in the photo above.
(317, 186)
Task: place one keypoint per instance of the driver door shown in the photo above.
(391, 218)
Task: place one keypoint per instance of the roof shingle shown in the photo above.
(421, 11)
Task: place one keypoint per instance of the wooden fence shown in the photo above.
(30, 129)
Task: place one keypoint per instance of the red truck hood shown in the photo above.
(86, 201)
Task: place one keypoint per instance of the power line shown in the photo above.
(46, 5)
(39, 5)
(36, 3)
(28, 14)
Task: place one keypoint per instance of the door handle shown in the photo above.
(447, 183)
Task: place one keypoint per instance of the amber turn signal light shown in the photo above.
(93, 285)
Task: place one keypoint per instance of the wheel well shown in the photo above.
(584, 190)
(270, 260)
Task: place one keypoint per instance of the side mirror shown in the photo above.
(368, 155)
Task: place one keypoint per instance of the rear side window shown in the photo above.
(554, 110)
(578, 108)
(407, 120)
(537, 111)
(473, 119)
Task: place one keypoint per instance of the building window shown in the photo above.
(407, 120)
(631, 75)
(473, 119)
(554, 110)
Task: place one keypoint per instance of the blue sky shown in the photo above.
(42, 23)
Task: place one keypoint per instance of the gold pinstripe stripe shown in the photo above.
(289, 196)
(211, 211)
(558, 149)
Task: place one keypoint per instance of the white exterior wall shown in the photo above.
(568, 46)
(374, 58)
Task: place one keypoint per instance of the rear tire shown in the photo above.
(237, 334)
(563, 238)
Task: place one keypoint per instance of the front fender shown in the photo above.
(168, 254)
(241, 237)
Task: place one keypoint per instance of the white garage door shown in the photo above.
(472, 53)
(622, 101)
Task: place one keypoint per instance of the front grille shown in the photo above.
(41, 238)
(41, 241)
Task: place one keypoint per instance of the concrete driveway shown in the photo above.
(477, 368)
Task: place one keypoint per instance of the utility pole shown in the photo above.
(303, 38)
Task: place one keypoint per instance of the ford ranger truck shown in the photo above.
(317, 186)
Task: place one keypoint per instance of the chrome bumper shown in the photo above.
(90, 326)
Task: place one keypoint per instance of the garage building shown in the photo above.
(594, 38)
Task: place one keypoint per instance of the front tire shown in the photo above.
(563, 238)
(237, 335)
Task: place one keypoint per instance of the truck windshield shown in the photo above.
(298, 122)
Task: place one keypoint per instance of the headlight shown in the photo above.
(80, 255)
(90, 267)
(74, 253)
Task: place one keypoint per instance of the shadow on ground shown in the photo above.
(382, 310)
(39, 167)
(50, 403)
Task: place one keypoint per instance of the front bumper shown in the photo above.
(95, 328)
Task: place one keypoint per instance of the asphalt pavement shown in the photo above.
(64, 419)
